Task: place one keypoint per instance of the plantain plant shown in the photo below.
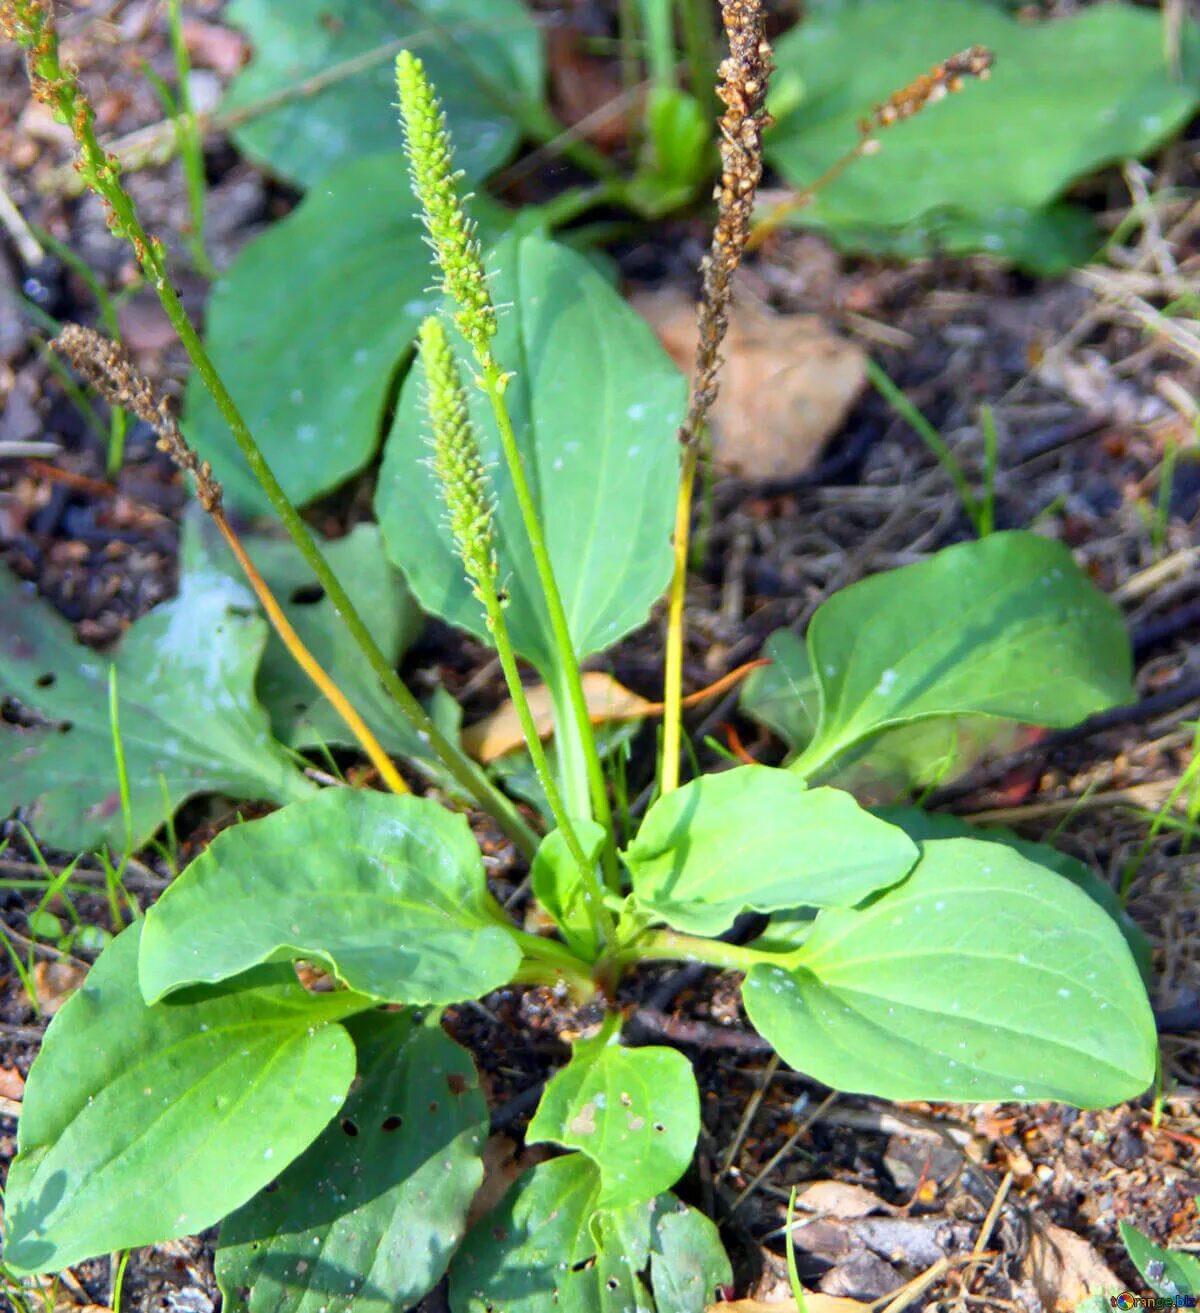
(528, 493)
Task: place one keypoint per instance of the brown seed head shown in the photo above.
(976, 62)
(103, 364)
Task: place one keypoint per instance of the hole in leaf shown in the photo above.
(612, 1283)
(658, 1126)
(349, 1127)
(270, 1187)
(456, 1083)
(433, 1105)
(66, 727)
(392, 1123)
(47, 680)
(306, 595)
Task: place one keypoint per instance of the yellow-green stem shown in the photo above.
(673, 675)
(568, 679)
(601, 920)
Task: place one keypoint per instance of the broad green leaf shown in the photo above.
(484, 56)
(595, 402)
(1167, 1272)
(367, 1218)
(534, 1253)
(558, 886)
(921, 826)
(1072, 95)
(307, 328)
(189, 719)
(1008, 626)
(784, 696)
(982, 976)
(388, 891)
(634, 1112)
(141, 1123)
(300, 715)
(757, 837)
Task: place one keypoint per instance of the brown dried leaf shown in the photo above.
(787, 385)
(500, 732)
(840, 1199)
(1065, 1269)
(55, 982)
(12, 1083)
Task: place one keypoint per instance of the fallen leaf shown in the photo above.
(1064, 1268)
(840, 1199)
(787, 385)
(12, 1083)
(502, 1164)
(55, 982)
(500, 732)
(215, 47)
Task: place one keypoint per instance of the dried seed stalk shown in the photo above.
(743, 90)
(941, 80)
(109, 370)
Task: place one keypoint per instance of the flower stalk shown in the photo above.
(455, 244)
(460, 471)
(742, 90)
(30, 24)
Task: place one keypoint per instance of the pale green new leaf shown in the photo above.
(980, 170)
(388, 891)
(982, 976)
(189, 719)
(141, 1123)
(757, 837)
(595, 402)
(484, 56)
(1008, 626)
(366, 1219)
(634, 1112)
(559, 887)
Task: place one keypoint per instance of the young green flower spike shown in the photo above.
(456, 460)
(451, 233)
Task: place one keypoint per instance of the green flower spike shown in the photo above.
(456, 460)
(451, 233)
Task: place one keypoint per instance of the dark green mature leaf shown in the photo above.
(144, 1123)
(595, 403)
(368, 1217)
(1167, 1272)
(189, 719)
(982, 976)
(757, 837)
(922, 826)
(532, 1254)
(483, 55)
(559, 887)
(1072, 95)
(301, 716)
(634, 1112)
(389, 891)
(1007, 626)
(307, 328)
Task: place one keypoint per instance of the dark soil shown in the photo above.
(1083, 417)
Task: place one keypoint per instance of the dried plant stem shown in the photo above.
(941, 81)
(29, 23)
(743, 92)
(307, 662)
(109, 370)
